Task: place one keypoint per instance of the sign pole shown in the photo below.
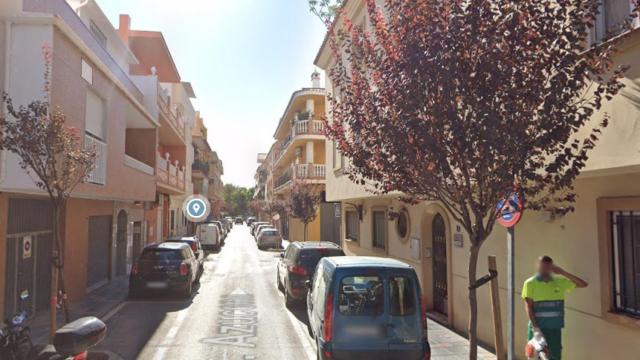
(511, 293)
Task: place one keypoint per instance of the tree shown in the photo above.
(52, 154)
(325, 10)
(303, 204)
(237, 199)
(464, 102)
(257, 207)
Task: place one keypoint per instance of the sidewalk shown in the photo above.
(447, 345)
(98, 303)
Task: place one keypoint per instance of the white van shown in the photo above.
(209, 235)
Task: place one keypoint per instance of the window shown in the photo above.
(379, 229)
(361, 296)
(352, 225)
(319, 289)
(94, 116)
(613, 14)
(402, 296)
(625, 235)
(402, 224)
(98, 34)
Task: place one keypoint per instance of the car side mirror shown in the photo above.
(308, 284)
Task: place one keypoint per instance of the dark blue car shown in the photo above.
(366, 308)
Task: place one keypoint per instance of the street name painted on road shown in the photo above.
(237, 321)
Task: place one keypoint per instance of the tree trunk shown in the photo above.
(55, 258)
(305, 232)
(474, 252)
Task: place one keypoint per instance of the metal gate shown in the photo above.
(28, 260)
(330, 222)
(121, 244)
(438, 235)
(99, 246)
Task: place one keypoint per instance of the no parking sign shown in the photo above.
(510, 210)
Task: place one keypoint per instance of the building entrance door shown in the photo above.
(121, 244)
(439, 238)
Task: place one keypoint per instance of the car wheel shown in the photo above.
(288, 300)
(280, 287)
(187, 291)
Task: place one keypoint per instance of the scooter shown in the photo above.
(15, 335)
(73, 341)
(537, 348)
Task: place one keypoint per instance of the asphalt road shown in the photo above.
(237, 313)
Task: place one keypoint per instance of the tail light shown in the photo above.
(135, 270)
(81, 356)
(298, 270)
(184, 269)
(194, 247)
(423, 303)
(327, 332)
(427, 355)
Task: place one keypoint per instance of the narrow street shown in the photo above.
(236, 313)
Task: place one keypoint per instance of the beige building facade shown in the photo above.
(600, 241)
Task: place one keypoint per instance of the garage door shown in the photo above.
(99, 241)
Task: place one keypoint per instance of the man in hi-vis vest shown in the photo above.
(544, 302)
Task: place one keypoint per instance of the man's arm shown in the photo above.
(576, 280)
(528, 305)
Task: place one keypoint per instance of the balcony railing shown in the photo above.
(308, 127)
(174, 117)
(201, 166)
(99, 173)
(170, 173)
(301, 172)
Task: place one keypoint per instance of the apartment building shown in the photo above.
(104, 224)
(298, 157)
(207, 169)
(168, 99)
(600, 241)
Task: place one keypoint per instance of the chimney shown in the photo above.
(124, 27)
(315, 79)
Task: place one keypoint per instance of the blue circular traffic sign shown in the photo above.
(510, 210)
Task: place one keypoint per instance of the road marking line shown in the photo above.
(171, 334)
(113, 311)
(309, 349)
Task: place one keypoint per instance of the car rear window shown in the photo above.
(361, 296)
(309, 258)
(402, 296)
(270, 233)
(161, 255)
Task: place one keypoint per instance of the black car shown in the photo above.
(297, 265)
(239, 220)
(194, 244)
(168, 266)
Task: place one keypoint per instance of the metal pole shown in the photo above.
(510, 293)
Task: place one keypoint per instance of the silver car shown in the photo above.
(269, 238)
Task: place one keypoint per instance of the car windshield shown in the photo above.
(361, 296)
(309, 258)
(158, 255)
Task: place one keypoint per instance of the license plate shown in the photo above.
(156, 285)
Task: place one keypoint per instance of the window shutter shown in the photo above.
(94, 117)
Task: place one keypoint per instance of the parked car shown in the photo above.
(168, 266)
(194, 244)
(239, 220)
(260, 228)
(209, 236)
(227, 224)
(297, 265)
(269, 238)
(223, 232)
(251, 220)
(367, 308)
(255, 225)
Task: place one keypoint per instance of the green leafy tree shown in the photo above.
(237, 199)
(52, 154)
(325, 10)
(460, 102)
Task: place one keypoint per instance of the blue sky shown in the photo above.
(244, 59)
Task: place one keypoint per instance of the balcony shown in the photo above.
(173, 117)
(301, 129)
(304, 173)
(170, 176)
(98, 175)
(200, 169)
